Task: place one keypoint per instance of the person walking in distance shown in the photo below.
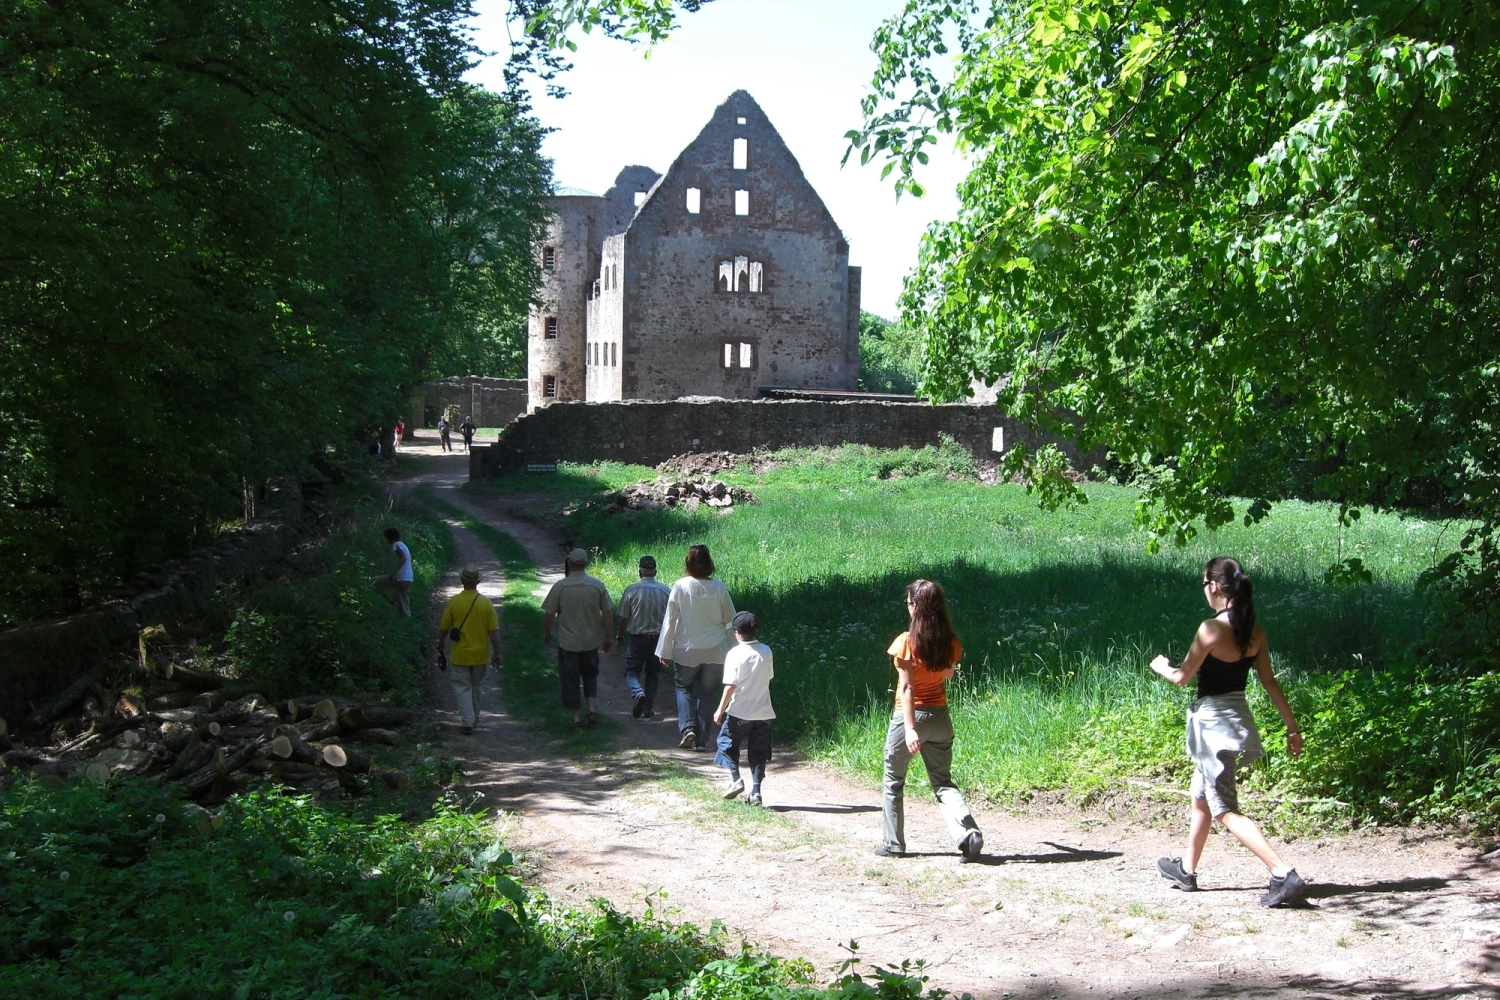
(925, 656)
(471, 629)
(1221, 732)
(642, 607)
(744, 714)
(395, 586)
(467, 429)
(695, 638)
(579, 608)
(444, 428)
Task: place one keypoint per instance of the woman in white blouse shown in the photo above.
(695, 639)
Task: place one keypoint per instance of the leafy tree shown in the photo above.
(1220, 238)
(234, 234)
(890, 356)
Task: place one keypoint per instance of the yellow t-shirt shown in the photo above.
(472, 649)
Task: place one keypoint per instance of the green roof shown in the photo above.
(573, 192)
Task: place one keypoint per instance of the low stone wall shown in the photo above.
(39, 660)
(648, 432)
(492, 402)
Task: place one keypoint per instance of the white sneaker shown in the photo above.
(735, 787)
(754, 799)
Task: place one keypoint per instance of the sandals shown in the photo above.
(593, 718)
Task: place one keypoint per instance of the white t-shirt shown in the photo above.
(748, 668)
(403, 575)
(694, 629)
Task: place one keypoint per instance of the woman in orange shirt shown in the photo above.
(925, 657)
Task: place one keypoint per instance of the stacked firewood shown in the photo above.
(213, 743)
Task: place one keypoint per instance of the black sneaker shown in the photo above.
(1171, 870)
(593, 718)
(467, 730)
(972, 846)
(688, 739)
(1283, 890)
(648, 715)
(889, 852)
(638, 706)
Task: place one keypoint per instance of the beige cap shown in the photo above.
(469, 575)
(578, 557)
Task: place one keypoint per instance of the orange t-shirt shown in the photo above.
(927, 686)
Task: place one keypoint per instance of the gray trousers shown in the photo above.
(935, 727)
(465, 683)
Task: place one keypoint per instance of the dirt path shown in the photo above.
(1063, 905)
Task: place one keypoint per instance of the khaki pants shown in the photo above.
(465, 681)
(936, 729)
(397, 592)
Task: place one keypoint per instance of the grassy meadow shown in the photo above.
(1059, 614)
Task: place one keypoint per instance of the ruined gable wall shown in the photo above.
(676, 319)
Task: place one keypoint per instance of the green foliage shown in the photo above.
(1243, 246)
(118, 892)
(890, 355)
(323, 628)
(236, 232)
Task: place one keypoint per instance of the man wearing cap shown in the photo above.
(643, 605)
(580, 609)
(472, 627)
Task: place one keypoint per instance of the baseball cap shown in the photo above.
(578, 557)
(648, 562)
(745, 622)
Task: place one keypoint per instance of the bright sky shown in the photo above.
(807, 63)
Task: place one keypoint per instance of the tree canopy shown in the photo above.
(235, 234)
(1236, 244)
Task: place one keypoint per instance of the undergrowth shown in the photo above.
(122, 891)
(321, 627)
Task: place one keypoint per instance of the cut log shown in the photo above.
(53, 709)
(171, 700)
(205, 778)
(317, 728)
(326, 709)
(396, 781)
(186, 715)
(129, 706)
(378, 716)
(194, 756)
(288, 710)
(211, 701)
(384, 736)
(334, 756)
(281, 746)
(149, 632)
(214, 728)
(200, 680)
(4, 729)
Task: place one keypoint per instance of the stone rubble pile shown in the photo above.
(686, 493)
(699, 465)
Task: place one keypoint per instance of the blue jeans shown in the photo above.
(640, 658)
(697, 689)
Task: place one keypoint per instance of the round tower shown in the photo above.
(556, 325)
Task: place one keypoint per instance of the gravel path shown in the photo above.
(1064, 904)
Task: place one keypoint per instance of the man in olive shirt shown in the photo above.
(476, 643)
(579, 607)
(642, 608)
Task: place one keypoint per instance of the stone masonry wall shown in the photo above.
(648, 433)
(493, 402)
(39, 660)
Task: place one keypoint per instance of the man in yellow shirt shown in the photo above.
(472, 627)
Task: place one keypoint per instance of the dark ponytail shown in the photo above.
(1232, 579)
(931, 628)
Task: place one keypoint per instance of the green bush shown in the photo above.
(323, 628)
(123, 891)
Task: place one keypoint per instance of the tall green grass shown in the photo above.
(1059, 612)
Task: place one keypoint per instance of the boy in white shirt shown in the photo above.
(745, 709)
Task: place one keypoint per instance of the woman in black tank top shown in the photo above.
(1221, 731)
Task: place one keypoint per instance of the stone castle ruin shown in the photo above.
(722, 275)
